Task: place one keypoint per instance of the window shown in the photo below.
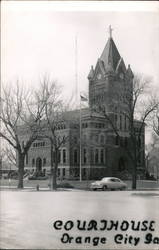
(64, 155)
(84, 155)
(121, 122)
(102, 156)
(96, 156)
(58, 172)
(63, 171)
(116, 120)
(102, 139)
(75, 156)
(125, 125)
(96, 138)
(44, 161)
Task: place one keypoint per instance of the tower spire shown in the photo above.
(110, 31)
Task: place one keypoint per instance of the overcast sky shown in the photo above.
(39, 37)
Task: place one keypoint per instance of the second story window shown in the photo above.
(64, 155)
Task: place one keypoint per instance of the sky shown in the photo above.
(38, 38)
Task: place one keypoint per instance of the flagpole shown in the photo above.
(80, 142)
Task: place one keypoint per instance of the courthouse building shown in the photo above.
(103, 153)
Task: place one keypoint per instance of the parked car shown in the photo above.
(108, 183)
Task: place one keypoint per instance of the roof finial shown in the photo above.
(110, 31)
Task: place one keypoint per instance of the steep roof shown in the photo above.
(110, 54)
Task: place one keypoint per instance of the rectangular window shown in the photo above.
(75, 156)
(63, 171)
(116, 120)
(120, 122)
(102, 156)
(64, 155)
(84, 155)
(96, 156)
(125, 123)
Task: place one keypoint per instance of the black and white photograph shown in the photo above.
(79, 125)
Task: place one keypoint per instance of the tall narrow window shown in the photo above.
(121, 122)
(102, 139)
(116, 120)
(125, 123)
(44, 161)
(84, 155)
(102, 156)
(75, 156)
(63, 171)
(96, 156)
(64, 155)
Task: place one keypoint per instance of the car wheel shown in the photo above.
(94, 189)
(105, 188)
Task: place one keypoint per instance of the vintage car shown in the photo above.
(106, 183)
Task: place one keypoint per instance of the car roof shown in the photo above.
(108, 178)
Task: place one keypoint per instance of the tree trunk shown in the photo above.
(134, 176)
(52, 164)
(55, 171)
(21, 158)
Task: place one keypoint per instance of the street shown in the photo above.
(48, 220)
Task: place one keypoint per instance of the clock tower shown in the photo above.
(110, 81)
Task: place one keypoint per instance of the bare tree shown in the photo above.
(151, 147)
(10, 155)
(20, 113)
(54, 120)
(138, 105)
(156, 121)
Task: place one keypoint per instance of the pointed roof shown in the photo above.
(110, 54)
(91, 73)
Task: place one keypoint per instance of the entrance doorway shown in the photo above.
(38, 165)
